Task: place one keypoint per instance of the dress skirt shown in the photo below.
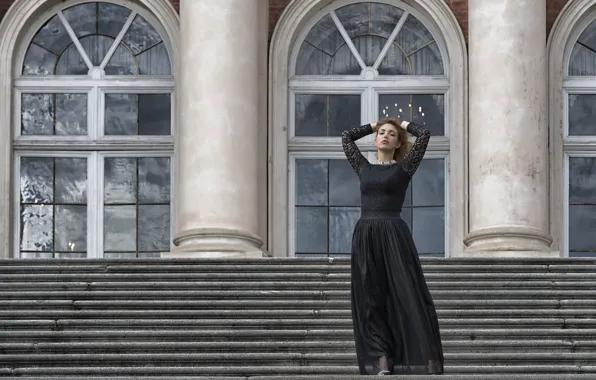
(395, 322)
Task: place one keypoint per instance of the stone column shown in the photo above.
(508, 129)
(217, 137)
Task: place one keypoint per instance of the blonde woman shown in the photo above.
(396, 327)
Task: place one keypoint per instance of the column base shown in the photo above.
(216, 242)
(519, 240)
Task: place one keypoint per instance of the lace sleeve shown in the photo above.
(348, 138)
(414, 157)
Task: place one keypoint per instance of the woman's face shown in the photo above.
(387, 138)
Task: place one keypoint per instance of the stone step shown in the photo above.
(283, 358)
(281, 317)
(286, 323)
(109, 282)
(165, 304)
(132, 346)
(292, 264)
(274, 277)
(216, 371)
(268, 314)
(284, 294)
(296, 334)
(299, 261)
(323, 377)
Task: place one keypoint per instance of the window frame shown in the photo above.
(574, 18)
(441, 22)
(95, 145)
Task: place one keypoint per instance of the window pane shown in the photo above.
(155, 61)
(334, 187)
(53, 36)
(364, 18)
(582, 206)
(318, 51)
(120, 228)
(369, 25)
(414, 52)
(137, 206)
(423, 109)
(581, 115)
(82, 19)
(344, 184)
(154, 180)
(428, 184)
(326, 115)
(311, 230)
(54, 114)
(122, 63)
(424, 207)
(141, 36)
(312, 182)
(53, 203)
(428, 230)
(154, 228)
(112, 18)
(120, 180)
(137, 114)
(342, 221)
(583, 56)
(39, 61)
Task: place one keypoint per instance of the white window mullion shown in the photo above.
(366, 115)
(92, 114)
(348, 40)
(17, 114)
(82, 83)
(397, 84)
(99, 203)
(390, 40)
(94, 207)
(16, 230)
(114, 46)
(75, 40)
(100, 114)
(291, 206)
(565, 232)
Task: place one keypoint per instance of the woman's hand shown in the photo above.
(374, 126)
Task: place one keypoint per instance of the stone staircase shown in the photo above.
(282, 318)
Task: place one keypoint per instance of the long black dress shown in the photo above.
(395, 322)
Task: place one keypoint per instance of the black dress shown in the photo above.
(395, 323)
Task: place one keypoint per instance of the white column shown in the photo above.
(217, 141)
(508, 134)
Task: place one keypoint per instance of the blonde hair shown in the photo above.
(402, 137)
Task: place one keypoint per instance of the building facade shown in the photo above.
(150, 128)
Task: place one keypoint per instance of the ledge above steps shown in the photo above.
(321, 377)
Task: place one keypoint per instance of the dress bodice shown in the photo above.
(383, 187)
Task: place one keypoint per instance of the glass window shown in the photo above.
(94, 158)
(579, 145)
(350, 70)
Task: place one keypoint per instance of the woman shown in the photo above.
(396, 327)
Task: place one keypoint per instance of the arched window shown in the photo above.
(356, 63)
(579, 142)
(93, 128)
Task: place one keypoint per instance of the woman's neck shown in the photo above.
(384, 156)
